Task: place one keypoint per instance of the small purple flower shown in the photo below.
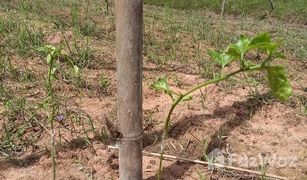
(60, 117)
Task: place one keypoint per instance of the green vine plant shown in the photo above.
(234, 53)
(50, 103)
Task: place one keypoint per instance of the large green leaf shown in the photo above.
(263, 41)
(279, 83)
(238, 50)
(260, 39)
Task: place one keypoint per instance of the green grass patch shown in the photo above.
(294, 10)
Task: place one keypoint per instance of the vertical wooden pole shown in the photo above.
(129, 42)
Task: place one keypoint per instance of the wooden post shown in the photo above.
(129, 42)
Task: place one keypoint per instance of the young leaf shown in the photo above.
(242, 45)
(53, 70)
(271, 48)
(220, 58)
(279, 82)
(50, 47)
(226, 59)
(263, 41)
(46, 48)
(42, 49)
(215, 56)
(49, 58)
(76, 70)
(44, 104)
(161, 85)
(233, 51)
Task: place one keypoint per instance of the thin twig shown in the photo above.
(40, 123)
(223, 9)
(171, 157)
(214, 164)
(4, 154)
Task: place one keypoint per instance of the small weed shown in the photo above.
(5, 93)
(8, 24)
(151, 48)
(103, 135)
(14, 108)
(208, 69)
(9, 72)
(108, 7)
(104, 82)
(50, 103)
(90, 29)
(177, 80)
(84, 55)
(258, 8)
(201, 176)
(30, 6)
(6, 67)
(18, 123)
(299, 102)
(74, 14)
(264, 170)
(72, 76)
(82, 22)
(203, 30)
(25, 5)
(82, 127)
(25, 39)
(149, 121)
(77, 77)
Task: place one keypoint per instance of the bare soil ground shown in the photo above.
(225, 116)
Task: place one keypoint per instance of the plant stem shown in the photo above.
(165, 131)
(51, 118)
(181, 96)
(53, 150)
